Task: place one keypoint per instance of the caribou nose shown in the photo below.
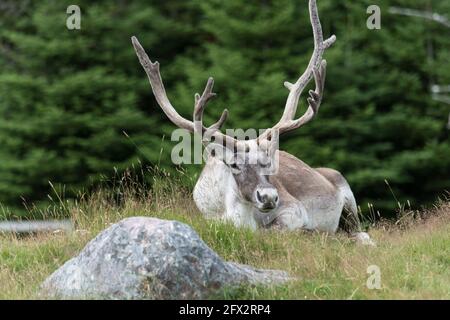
(267, 198)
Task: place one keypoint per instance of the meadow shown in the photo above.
(413, 251)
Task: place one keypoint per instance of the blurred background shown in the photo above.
(76, 108)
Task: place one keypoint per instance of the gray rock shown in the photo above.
(148, 258)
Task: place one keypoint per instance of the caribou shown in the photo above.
(250, 182)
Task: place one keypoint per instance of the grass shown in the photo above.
(413, 253)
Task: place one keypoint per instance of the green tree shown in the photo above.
(68, 96)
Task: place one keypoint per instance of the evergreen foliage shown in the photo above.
(68, 96)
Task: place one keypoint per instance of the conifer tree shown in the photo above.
(377, 123)
(67, 96)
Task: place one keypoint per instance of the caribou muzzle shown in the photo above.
(266, 198)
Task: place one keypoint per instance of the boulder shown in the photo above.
(149, 258)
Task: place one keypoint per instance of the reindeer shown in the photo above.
(250, 182)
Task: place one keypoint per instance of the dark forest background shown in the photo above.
(68, 96)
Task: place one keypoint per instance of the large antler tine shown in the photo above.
(218, 125)
(329, 42)
(200, 104)
(140, 52)
(154, 77)
(316, 96)
(200, 101)
(316, 68)
(207, 92)
(214, 128)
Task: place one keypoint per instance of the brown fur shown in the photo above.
(314, 187)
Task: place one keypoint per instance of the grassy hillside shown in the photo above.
(413, 253)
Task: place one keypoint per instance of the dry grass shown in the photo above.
(412, 254)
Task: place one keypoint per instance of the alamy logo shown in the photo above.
(374, 280)
(73, 22)
(189, 149)
(374, 20)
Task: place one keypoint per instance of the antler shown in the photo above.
(154, 77)
(200, 104)
(316, 68)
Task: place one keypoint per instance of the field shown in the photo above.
(413, 252)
